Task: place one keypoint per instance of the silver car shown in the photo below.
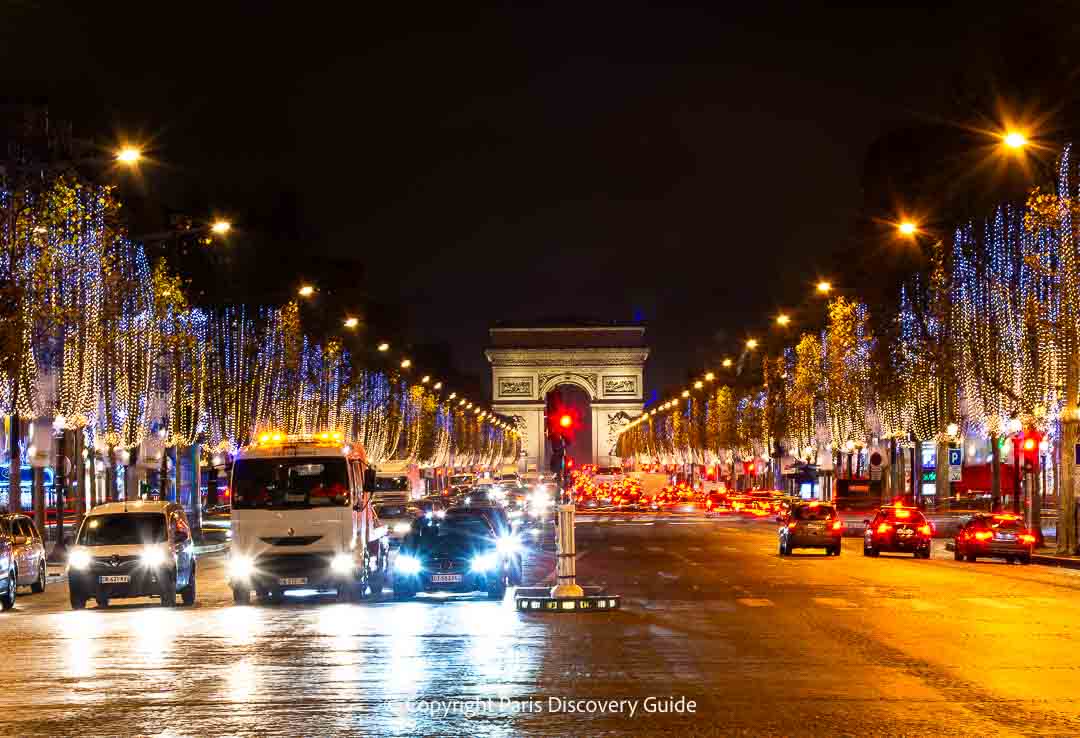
(28, 550)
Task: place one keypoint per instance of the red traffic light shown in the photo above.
(565, 420)
(1029, 444)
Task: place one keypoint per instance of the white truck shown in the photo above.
(302, 520)
(397, 478)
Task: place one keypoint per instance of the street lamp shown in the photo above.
(1015, 140)
(437, 386)
(306, 290)
(129, 155)
(907, 228)
(726, 363)
(405, 363)
(751, 343)
(783, 319)
(383, 347)
(221, 227)
(824, 287)
(352, 322)
(710, 377)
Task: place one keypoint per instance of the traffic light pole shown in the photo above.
(565, 544)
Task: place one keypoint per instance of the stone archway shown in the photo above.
(605, 362)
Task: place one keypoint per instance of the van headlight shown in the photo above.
(507, 544)
(485, 562)
(152, 557)
(405, 564)
(78, 559)
(342, 563)
(241, 567)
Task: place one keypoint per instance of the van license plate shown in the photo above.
(446, 578)
(115, 579)
(287, 581)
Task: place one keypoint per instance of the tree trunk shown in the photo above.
(78, 468)
(195, 518)
(942, 486)
(92, 469)
(15, 478)
(39, 499)
(110, 474)
(61, 487)
(1066, 525)
(995, 473)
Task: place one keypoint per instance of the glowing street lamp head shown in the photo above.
(824, 287)
(907, 228)
(351, 322)
(698, 384)
(1015, 140)
(306, 290)
(783, 320)
(437, 385)
(383, 347)
(751, 343)
(406, 363)
(129, 155)
(726, 363)
(710, 377)
(221, 227)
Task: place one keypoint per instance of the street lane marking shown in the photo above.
(728, 548)
(654, 549)
(618, 548)
(694, 548)
(836, 603)
(988, 602)
(755, 602)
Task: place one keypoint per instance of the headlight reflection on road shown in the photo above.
(155, 633)
(82, 629)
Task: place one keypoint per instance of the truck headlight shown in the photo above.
(78, 559)
(485, 562)
(405, 564)
(402, 528)
(342, 563)
(152, 557)
(241, 567)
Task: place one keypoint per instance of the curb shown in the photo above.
(1062, 562)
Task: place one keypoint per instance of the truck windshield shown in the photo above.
(392, 484)
(123, 529)
(295, 483)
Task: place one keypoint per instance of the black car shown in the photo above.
(508, 541)
(458, 554)
(1000, 536)
(896, 528)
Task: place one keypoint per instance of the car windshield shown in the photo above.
(392, 484)
(812, 512)
(1007, 524)
(473, 527)
(123, 529)
(290, 483)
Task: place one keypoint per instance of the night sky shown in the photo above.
(694, 169)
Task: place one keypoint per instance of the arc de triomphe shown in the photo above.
(607, 362)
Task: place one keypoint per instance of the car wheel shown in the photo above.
(836, 550)
(167, 582)
(957, 555)
(869, 551)
(78, 602)
(39, 584)
(1010, 559)
(102, 602)
(971, 558)
(187, 594)
(241, 596)
(1025, 559)
(8, 600)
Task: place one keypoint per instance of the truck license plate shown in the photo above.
(446, 578)
(115, 579)
(287, 581)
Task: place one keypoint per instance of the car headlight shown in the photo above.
(402, 528)
(342, 563)
(79, 559)
(440, 514)
(406, 564)
(507, 544)
(485, 562)
(241, 567)
(152, 557)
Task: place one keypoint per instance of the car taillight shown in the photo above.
(1027, 538)
(983, 535)
(791, 525)
(924, 529)
(884, 528)
(838, 525)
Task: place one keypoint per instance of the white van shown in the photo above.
(302, 519)
(394, 478)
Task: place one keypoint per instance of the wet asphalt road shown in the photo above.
(806, 645)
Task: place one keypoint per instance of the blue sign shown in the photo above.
(956, 456)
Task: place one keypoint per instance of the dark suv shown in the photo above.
(999, 536)
(896, 528)
(811, 525)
